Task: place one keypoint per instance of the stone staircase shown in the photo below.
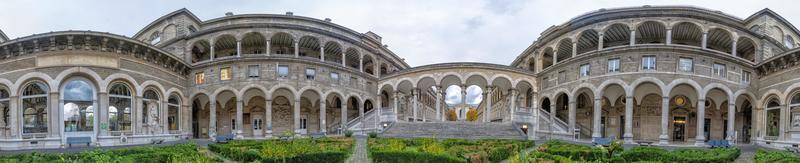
(464, 130)
(364, 124)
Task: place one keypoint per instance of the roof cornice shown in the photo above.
(162, 18)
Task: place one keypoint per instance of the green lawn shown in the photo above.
(297, 150)
(442, 151)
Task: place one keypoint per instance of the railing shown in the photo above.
(585, 131)
(357, 119)
(558, 121)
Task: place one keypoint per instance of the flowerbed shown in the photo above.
(763, 156)
(449, 150)
(556, 151)
(298, 150)
(174, 153)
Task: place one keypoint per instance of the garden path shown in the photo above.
(748, 153)
(360, 153)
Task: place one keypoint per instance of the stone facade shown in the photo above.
(671, 74)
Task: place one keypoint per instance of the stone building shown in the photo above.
(667, 74)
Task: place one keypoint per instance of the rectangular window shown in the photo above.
(649, 62)
(613, 65)
(199, 78)
(745, 77)
(253, 71)
(283, 71)
(562, 76)
(225, 73)
(585, 70)
(303, 123)
(334, 77)
(233, 124)
(310, 73)
(719, 70)
(686, 64)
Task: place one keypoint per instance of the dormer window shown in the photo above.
(155, 38)
(788, 41)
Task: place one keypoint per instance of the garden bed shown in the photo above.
(557, 151)
(765, 156)
(147, 154)
(297, 150)
(449, 150)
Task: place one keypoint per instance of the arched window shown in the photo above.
(155, 38)
(150, 107)
(34, 108)
(4, 104)
(788, 41)
(773, 119)
(78, 104)
(794, 108)
(173, 111)
(119, 108)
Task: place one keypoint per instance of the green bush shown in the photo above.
(579, 153)
(298, 150)
(573, 151)
(704, 155)
(373, 135)
(763, 156)
(645, 154)
(462, 150)
(348, 133)
(411, 156)
(174, 153)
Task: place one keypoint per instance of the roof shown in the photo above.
(174, 13)
(3, 36)
(767, 11)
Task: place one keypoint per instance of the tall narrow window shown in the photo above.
(119, 108)
(685, 64)
(311, 73)
(334, 77)
(150, 111)
(173, 112)
(34, 108)
(4, 104)
(585, 70)
(78, 105)
(613, 65)
(303, 123)
(649, 62)
(283, 71)
(745, 77)
(773, 119)
(252, 71)
(199, 78)
(225, 73)
(719, 70)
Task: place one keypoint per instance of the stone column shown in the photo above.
(296, 49)
(600, 41)
(361, 63)
(212, 122)
(488, 112)
(705, 40)
(438, 103)
(344, 58)
(55, 129)
(596, 125)
(212, 51)
(414, 93)
(574, 48)
(239, 117)
(238, 48)
(323, 117)
(322, 53)
(344, 118)
(633, 37)
(296, 116)
(733, 48)
(268, 47)
(628, 136)
(552, 115)
(513, 104)
(102, 113)
(731, 120)
(395, 102)
(571, 115)
(13, 118)
(701, 119)
(268, 117)
(669, 36)
(663, 139)
(137, 116)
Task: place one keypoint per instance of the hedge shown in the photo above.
(298, 150)
(763, 156)
(573, 151)
(448, 150)
(174, 153)
(556, 151)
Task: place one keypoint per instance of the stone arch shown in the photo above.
(411, 82)
(746, 48)
(722, 87)
(720, 39)
(564, 51)
(281, 86)
(8, 85)
(150, 83)
(476, 78)
(249, 87)
(44, 78)
(282, 43)
(223, 89)
(587, 41)
(651, 32)
(451, 79)
(333, 52)
(772, 92)
(201, 51)
(309, 47)
(253, 43)
(308, 88)
(547, 57)
(687, 33)
(617, 34)
(602, 87)
(176, 91)
(225, 45)
(121, 77)
(689, 82)
(79, 71)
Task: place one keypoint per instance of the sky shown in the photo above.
(420, 31)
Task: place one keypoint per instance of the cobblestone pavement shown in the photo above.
(360, 154)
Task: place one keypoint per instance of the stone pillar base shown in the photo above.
(700, 143)
(663, 140)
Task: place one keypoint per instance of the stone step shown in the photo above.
(463, 130)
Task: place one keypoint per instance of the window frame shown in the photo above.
(680, 64)
(723, 72)
(223, 75)
(251, 69)
(200, 77)
(288, 71)
(584, 70)
(312, 75)
(616, 66)
(646, 66)
(746, 76)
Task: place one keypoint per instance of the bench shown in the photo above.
(79, 140)
(793, 149)
(285, 137)
(224, 138)
(602, 141)
(156, 141)
(719, 144)
(644, 143)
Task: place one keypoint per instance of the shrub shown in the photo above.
(704, 155)
(174, 153)
(411, 156)
(373, 135)
(472, 115)
(574, 151)
(763, 156)
(348, 133)
(645, 154)
(298, 150)
(462, 150)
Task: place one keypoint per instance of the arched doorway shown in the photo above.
(78, 105)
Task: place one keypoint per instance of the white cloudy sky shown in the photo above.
(421, 31)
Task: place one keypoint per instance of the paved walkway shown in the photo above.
(748, 153)
(360, 153)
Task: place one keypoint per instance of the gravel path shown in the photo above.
(360, 154)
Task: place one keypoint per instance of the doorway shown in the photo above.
(679, 128)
